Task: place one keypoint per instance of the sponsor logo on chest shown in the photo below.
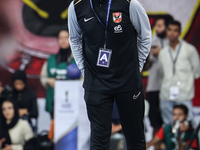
(118, 29)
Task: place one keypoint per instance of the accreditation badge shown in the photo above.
(104, 57)
(173, 93)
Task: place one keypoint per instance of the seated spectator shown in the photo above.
(116, 123)
(25, 98)
(117, 140)
(14, 132)
(178, 134)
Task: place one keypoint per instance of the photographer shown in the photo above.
(178, 134)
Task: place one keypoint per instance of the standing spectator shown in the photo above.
(55, 68)
(14, 132)
(26, 99)
(180, 66)
(154, 79)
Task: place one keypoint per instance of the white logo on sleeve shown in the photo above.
(118, 29)
(136, 96)
(86, 20)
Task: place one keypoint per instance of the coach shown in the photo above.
(110, 40)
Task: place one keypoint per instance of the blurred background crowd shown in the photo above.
(35, 53)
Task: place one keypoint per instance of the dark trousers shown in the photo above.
(131, 110)
(154, 111)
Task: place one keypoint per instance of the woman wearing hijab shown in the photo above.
(55, 68)
(26, 99)
(14, 132)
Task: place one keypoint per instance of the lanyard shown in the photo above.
(161, 43)
(107, 18)
(176, 57)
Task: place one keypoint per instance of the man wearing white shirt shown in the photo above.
(180, 66)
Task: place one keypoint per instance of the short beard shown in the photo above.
(162, 35)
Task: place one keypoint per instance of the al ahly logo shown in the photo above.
(117, 17)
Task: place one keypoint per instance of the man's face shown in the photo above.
(173, 32)
(160, 26)
(63, 39)
(178, 114)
